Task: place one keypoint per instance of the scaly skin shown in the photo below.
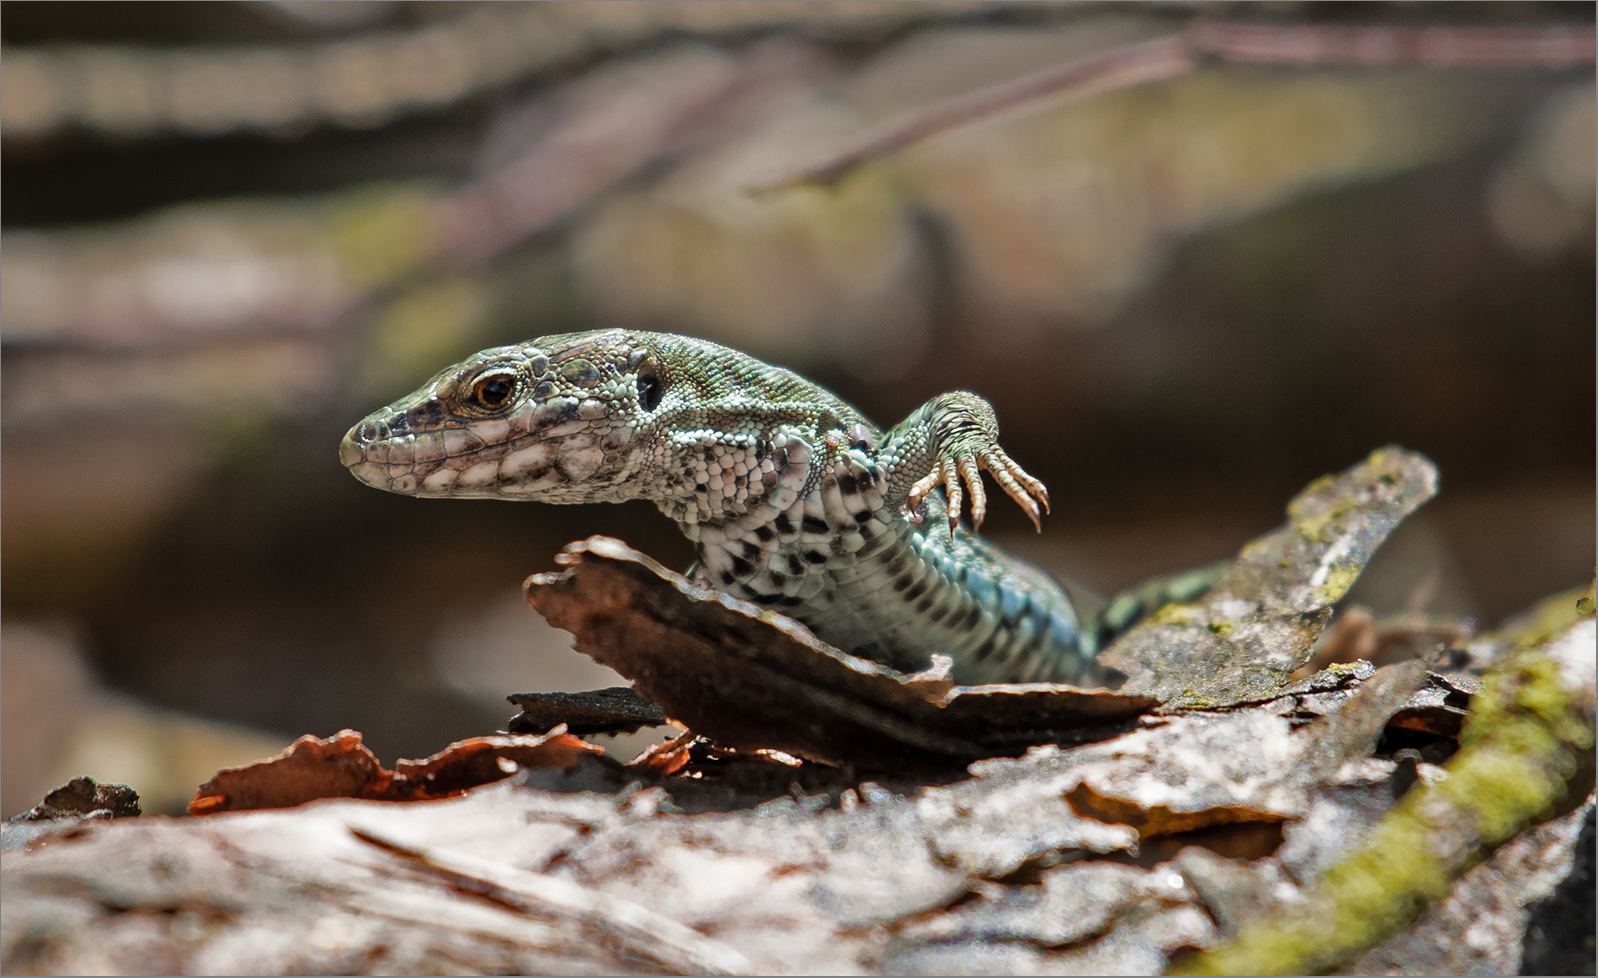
(796, 501)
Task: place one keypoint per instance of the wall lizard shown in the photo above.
(795, 500)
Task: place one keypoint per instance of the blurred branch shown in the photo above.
(303, 273)
(1119, 68)
(615, 123)
(368, 80)
(1429, 47)
(186, 277)
(209, 90)
(1150, 61)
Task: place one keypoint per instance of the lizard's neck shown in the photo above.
(735, 481)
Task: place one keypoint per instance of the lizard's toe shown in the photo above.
(972, 475)
(919, 492)
(1020, 486)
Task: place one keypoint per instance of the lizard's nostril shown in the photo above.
(366, 432)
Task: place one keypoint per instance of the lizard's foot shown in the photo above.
(959, 466)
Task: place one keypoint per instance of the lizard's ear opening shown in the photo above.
(650, 390)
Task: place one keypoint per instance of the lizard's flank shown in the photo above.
(795, 500)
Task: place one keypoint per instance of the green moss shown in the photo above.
(1384, 458)
(1338, 581)
(1513, 697)
(1317, 528)
(1343, 668)
(1221, 628)
(1256, 549)
(1309, 492)
(1547, 618)
(1516, 752)
(1176, 614)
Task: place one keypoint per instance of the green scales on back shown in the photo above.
(795, 500)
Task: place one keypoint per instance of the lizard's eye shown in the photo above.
(491, 391)
(649, 388)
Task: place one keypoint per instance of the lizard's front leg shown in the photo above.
(951, 439)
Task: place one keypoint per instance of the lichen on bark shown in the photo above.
(1526, 754)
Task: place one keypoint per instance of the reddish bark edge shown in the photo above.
(341, 766)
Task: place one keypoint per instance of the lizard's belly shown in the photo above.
(866, 580)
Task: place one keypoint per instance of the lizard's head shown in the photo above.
(567, 418)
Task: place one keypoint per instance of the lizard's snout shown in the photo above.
(349, 450)
(361, 452)
(355, 448)
(381, 452)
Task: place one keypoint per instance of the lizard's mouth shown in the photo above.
(384, 452)
(491, 458)
(382, 457)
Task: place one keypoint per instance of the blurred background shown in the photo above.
(230, 230)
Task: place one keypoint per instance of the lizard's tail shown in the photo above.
(1133, 605)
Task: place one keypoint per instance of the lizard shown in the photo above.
(794, 499)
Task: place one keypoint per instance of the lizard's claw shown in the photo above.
(942, 474)
(964, 473)
(1016, 483)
